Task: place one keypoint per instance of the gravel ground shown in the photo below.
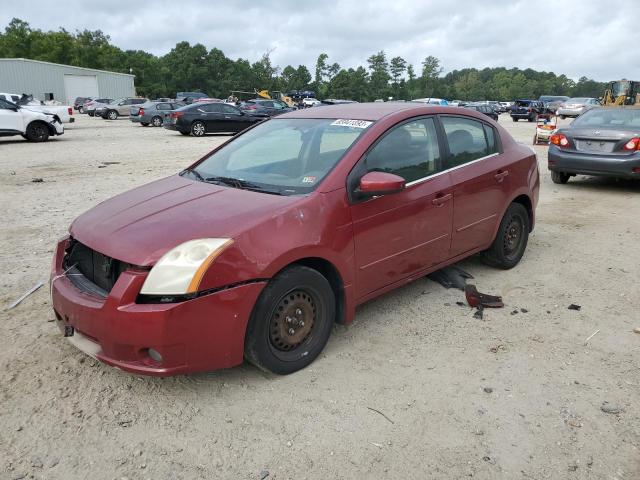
(518, 395)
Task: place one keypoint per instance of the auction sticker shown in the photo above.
(309, 179)
(352, 123)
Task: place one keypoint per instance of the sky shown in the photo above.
(589, 38)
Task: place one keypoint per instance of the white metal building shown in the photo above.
(21, 75)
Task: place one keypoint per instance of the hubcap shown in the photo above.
(292, 320)
(157, 122)
(198, 129)
(512, 236)
(112, 116)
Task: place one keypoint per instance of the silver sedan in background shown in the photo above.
(153, 113)
(576, 106)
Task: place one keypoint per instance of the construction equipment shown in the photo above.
(622, 92)
(277, 95)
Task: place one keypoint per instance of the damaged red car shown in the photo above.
(258, 248)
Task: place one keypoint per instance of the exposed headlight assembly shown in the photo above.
(181, 269)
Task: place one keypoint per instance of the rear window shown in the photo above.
(609, 118)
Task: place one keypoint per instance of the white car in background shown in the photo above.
(63, 112)
(311, 102)
(32, 125)
(431, 101)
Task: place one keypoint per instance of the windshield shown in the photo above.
(620, 88)
(609, 118)
(578, 100)
(282, 156)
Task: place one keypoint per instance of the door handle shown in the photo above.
(227, 117)
(500, 176)
(441, 199)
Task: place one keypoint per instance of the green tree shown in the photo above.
(379, 78)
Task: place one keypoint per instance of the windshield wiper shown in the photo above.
(241, 184)
(195, 173)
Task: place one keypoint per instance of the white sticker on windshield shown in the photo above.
(352, 123)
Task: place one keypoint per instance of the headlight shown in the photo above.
(181, 269)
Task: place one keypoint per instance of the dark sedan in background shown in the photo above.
(265, 107)
(199, 119)
(601, 142)
(485, 108)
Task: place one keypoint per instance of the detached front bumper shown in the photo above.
(580, 163)
(202, 334)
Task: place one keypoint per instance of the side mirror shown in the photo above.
(375, 184)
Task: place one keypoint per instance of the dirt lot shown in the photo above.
(518, 395)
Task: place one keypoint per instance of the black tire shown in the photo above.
(185, 133)
(562, 117)
(559, 177)
(511, 240)
(514, 119)
(530, 119)
(37, 132)
(112, 115)
(81, 109)
(198, 129)
(291, 321)
(156, 121)
(91, 114)
(144, 124)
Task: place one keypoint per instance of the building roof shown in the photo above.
(62, 65)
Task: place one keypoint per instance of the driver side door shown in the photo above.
(10, 119)
(400, 234)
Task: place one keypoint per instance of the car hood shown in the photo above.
(141, 225)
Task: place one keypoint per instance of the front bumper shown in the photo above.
(58, 127)
(580, 163)
(522, 115)
(202, 334)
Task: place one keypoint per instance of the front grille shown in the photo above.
(92, 271)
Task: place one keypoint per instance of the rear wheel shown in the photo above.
(144, 124)
(80, 109)
(531, 119)
(185, 133)
(198, 129)
(514, 119)
(291, 321)
(37, 132)
(156, 121)
(91, 114)
(562, 117)
(112, 115)
(559, 177)
(511, 240)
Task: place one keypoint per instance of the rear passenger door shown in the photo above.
(211, 115)
(480, 179)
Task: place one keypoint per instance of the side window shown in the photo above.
(15, 98)
(492, 144)
(163, 106)
(267, 104)
(466, 139)
(4, 105)
(229, 110)
(209, 108)
(410, 150)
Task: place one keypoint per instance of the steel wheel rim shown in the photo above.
(513, 235)
(293, 320)
(157, 122)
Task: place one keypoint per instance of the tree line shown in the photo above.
(195, 68)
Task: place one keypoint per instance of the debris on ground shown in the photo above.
(497, 348)
(37, 180)
(19, 300)
(591, 336)
(451, 277)
(264, 474)
(636, 330)
(378, 411)
(524, 310)
(488, 390)
(573, 306)
(476, 298)
(611, 408)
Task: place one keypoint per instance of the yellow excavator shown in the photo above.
(622, 92)
(268, 95)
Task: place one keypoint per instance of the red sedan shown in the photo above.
(259, 247)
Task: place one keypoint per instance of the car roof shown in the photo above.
(366, 111)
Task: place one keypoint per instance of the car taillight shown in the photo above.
(176, 114)
(141, 111)
(560, 140)
(632, 145)
(250, 107)
(529, 110)
(70, 110)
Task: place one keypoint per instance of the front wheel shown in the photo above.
(112, 115)
(511, 240)
(37, 132)
(156, 121)
(291, 321)
(559, 177)
(198, 129)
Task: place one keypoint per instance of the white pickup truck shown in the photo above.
(63, 112)
(32, 125)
